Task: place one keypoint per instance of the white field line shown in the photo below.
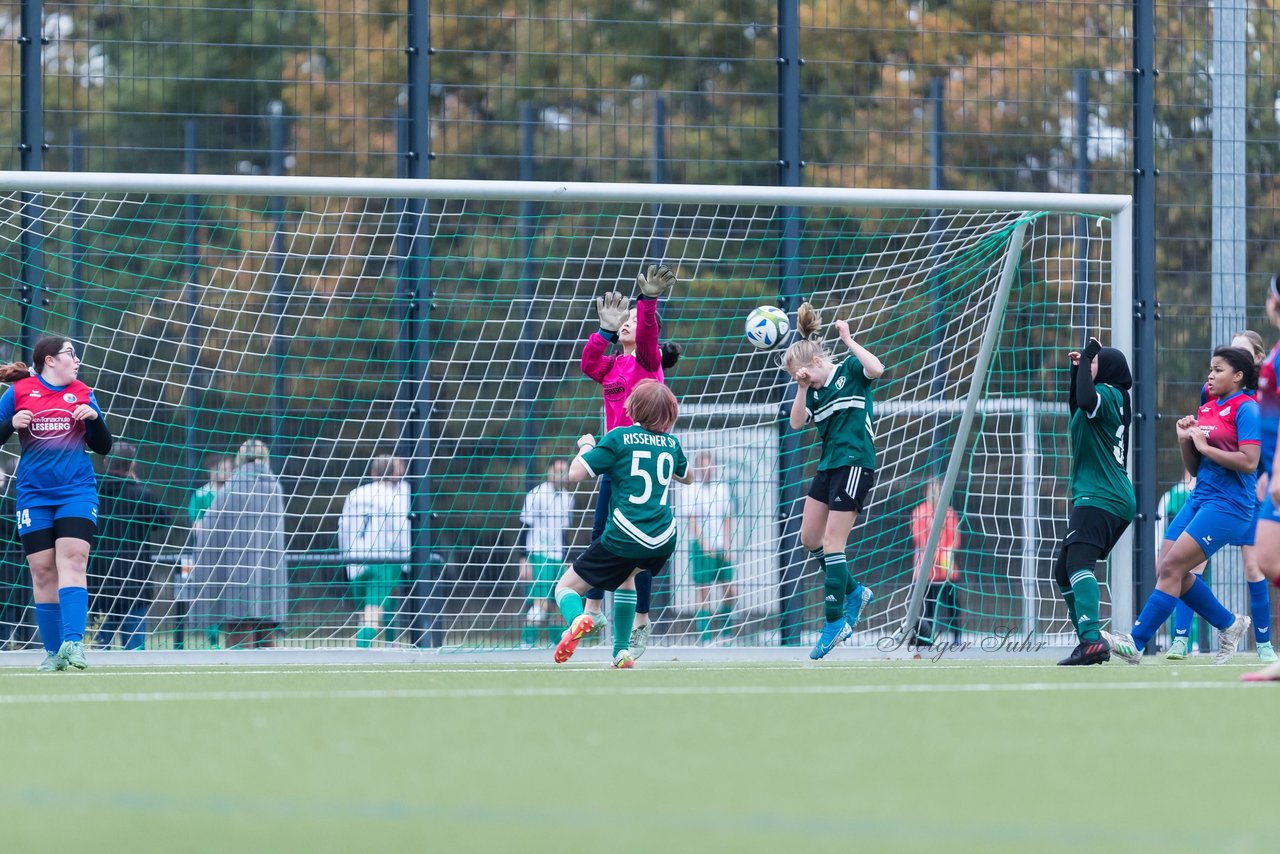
(619, 691)
(435, 669)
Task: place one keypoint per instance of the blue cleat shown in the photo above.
(854, 603)
(832, 633)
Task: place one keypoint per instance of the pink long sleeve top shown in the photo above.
(619, 374)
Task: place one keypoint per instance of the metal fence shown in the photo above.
(1171, 101)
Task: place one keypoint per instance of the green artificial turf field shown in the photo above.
(945, 756)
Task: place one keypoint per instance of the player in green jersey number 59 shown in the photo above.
(640, 532)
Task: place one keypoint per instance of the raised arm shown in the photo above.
(651, 286)
(595, 363)
(1072, 405)
(612, 309)
(872, 367)
(1086, 396)
(799, 406)
(648, 348)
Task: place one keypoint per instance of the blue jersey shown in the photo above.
(55, 467)
(1228, 424)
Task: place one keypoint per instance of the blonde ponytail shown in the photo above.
(806, 349)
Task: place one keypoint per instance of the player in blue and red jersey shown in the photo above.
(1255, 582)
(1220, 446)
(1268, 531)
(55, 416)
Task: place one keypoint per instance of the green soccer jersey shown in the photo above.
(841, 410)
(1098, 475)
(641, 465)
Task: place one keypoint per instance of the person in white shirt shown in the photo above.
(374, 536)
(708, 510)
(546, 515)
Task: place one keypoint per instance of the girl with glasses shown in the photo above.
(55, 416)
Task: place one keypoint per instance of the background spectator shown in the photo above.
(943, 573)
(239, 577)
(219, 468)
(708, 511)
(547, 513)
(374, 535)
(120, 566)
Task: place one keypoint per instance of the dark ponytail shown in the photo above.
(671, 353)
(47, 347)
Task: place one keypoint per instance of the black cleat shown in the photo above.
(1088, 652)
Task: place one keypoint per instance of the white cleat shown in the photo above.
(640, 639)
(1230, 637)
(1122, 646)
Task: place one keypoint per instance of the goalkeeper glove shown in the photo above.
(657, 282)
(612, 308)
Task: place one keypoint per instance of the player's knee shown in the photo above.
(834, 543)
(1170, 571)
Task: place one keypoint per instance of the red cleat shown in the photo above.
(581, 625)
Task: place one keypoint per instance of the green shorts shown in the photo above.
(375, 585)
(708, 568)
(545, 572)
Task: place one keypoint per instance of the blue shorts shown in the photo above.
(1267, 510)
(1211, 526)
(31, 519)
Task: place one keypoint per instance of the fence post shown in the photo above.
(792, 556)
(656, 252)
(937, 279)
(1084, 317)
(191, 287)
(1144, 309)
(31, 147)
(419, 292)
(280, 446)
(527, 227)
(76, 145)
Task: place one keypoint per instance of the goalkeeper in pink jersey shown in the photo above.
(643, 357)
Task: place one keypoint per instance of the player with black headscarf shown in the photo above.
(1102, 499)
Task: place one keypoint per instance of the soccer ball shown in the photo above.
(767, 326)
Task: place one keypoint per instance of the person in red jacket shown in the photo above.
(943, 573)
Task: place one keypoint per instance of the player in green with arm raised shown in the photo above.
(836, 398)
(1102, 501)
(640, 532)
